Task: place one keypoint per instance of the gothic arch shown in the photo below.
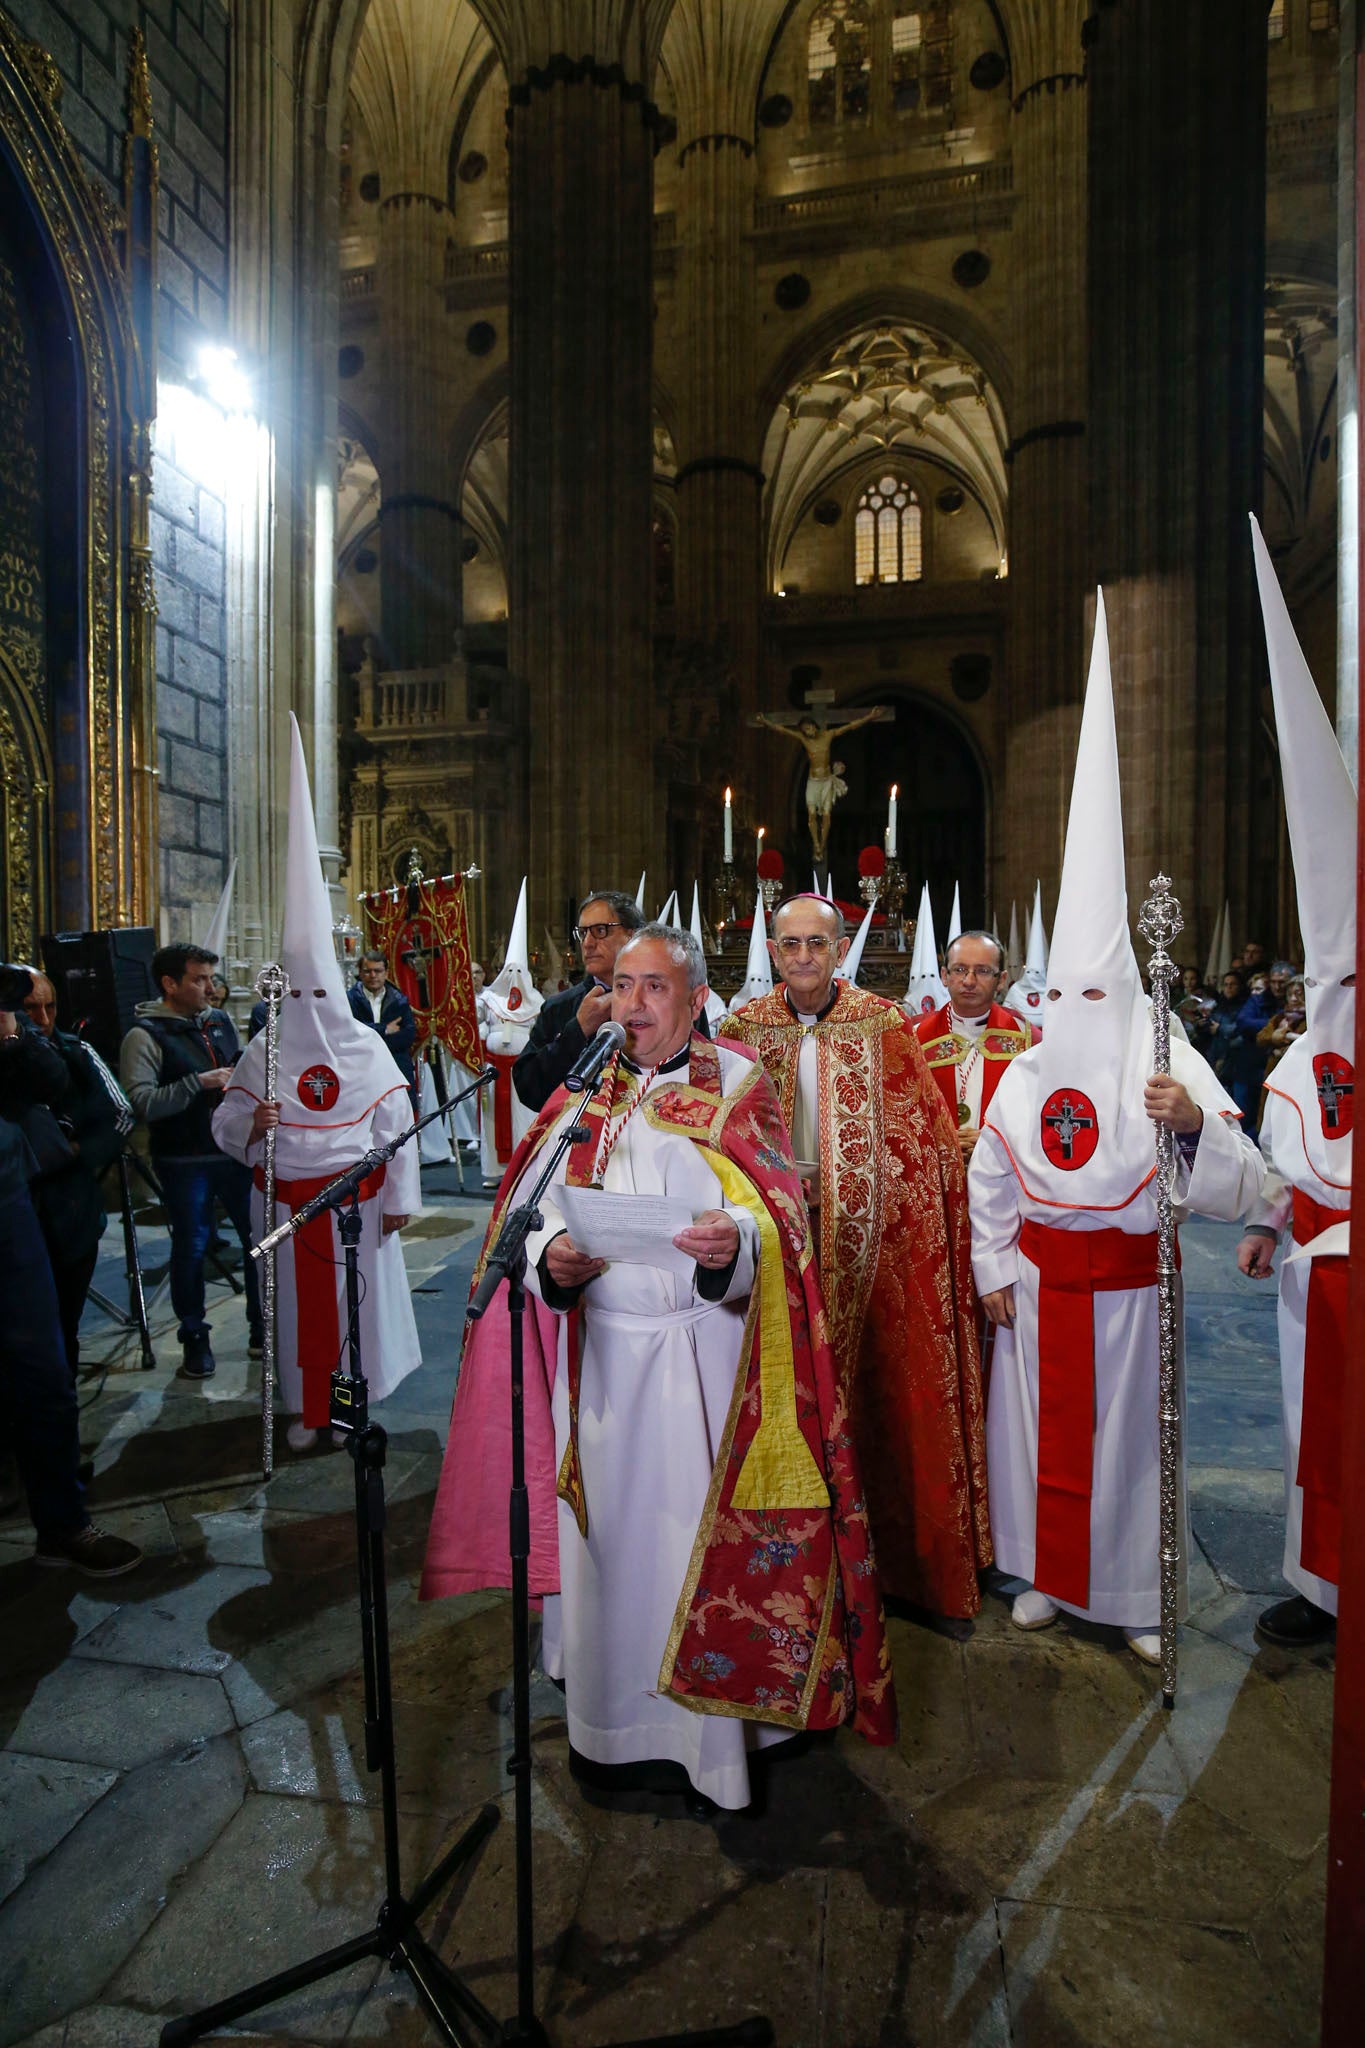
(895, 302)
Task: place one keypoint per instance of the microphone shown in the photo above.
(590, 1062)
(325, 1199)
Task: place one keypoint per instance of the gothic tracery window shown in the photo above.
(839, 63)
(888, 534)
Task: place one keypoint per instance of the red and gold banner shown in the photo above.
(431, 943)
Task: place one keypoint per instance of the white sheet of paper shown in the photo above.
(637, 1229)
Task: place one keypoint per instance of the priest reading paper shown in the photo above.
(715, 1586)
(1064, 1244)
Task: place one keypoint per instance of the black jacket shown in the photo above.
(556, 1041)
(395, 1008)
(69, 1201)
(30, 1072)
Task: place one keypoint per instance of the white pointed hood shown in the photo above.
(924, 991)
(672, 910)
(332, 1067)
(1026, 997)
(1071, 1109)
(715, 1005)
(1220, 948)
(1321, 807)
(513, 997)
(853, 959)
(639, 893)
(215, 938)
(954, 918)
(758, 973)
(1013, 957)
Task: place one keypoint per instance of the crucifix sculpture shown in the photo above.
(813, 730)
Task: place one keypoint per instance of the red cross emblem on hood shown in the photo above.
(318, 1087)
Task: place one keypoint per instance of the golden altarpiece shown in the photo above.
(77, 605)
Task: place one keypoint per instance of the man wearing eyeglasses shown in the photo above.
(887, 1191)
(970, 1042)
(570, 1021)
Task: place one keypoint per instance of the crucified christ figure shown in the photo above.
(824, 779)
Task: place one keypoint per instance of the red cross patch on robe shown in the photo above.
(318, 1087)
(1071, 1129)
(1335, 1080)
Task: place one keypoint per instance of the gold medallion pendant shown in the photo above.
(964, 1115)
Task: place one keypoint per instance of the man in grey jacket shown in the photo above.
(174, 1065)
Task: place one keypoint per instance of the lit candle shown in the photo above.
(891, 822)
(729, 830)
(758, 853)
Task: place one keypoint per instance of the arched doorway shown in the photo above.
(943, 805)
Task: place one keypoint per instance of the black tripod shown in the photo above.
(455, 2012)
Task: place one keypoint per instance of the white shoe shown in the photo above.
(299, 1437)
(1144, 1643)
(1033, 1609)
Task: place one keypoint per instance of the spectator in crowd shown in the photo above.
(42, 1419)
(174, 1065)
(569, 1021)
(67, 1193)
(1248, 1061)
(1222, 1025)
(1287, 1024)
(377, 1002)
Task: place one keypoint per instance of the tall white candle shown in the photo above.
(729, 830)
(758, 850)
(891, 823)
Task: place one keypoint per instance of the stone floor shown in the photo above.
(1044, 1858)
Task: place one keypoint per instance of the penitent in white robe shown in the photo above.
(1125, 1511)
(388, 1329)
(1282, 1142)
(658, 1369)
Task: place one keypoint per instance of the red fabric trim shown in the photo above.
(1324, 1353)
(317, 1305)
(502, 1104)
(399, 1088)
(1100, 1208)
(1344, 1186)
(1073, 1267)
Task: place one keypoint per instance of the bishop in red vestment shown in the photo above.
(887, 1187)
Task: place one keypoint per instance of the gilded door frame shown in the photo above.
(99, 268)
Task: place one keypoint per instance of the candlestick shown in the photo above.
(729, 830)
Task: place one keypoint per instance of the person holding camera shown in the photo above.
(175, 1063)
(67, 1194)
(35, 1382)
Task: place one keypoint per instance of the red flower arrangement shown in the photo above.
(771, 866)
(871, 861)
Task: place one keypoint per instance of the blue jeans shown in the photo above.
(36, 1384)
(191, 1187)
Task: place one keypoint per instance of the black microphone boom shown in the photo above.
(594, 1056)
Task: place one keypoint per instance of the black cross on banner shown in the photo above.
(1331, 1092)
(316, 1087)
(1067, 1122)
(416, 957)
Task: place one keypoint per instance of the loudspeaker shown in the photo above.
(100, 978)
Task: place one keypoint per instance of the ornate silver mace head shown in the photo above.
(1160, 919)
(272, 982)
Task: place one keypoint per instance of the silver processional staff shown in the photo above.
(1159, 923)
(272, 984)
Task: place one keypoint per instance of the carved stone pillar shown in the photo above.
(420, 522)
(1047, 541)
(580, 340)
(1177, 273)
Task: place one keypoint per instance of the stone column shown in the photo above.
(1177, 273)
(580, 341)
(715, 54)
(1047, 455)
(419, 522)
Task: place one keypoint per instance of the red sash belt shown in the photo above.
(502, 1104)
(1073, 1267)
(1324, 1351)
(317, 1288)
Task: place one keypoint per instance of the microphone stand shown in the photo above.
(456, 2014)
